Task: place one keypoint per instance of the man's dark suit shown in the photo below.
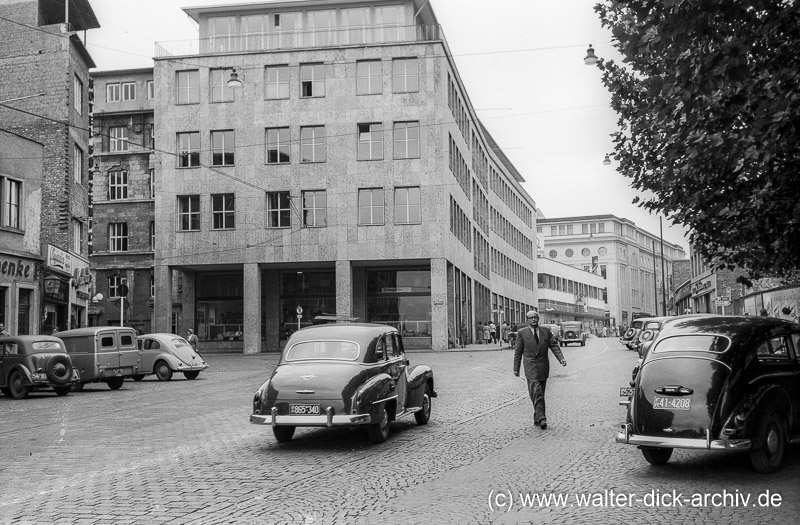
(537, 365)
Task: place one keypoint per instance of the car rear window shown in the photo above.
(652, 326)
(46, 346)
(312, 350)
(693, 343)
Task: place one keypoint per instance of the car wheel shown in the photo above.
(767, 458)
(163, 371)
(138, 377)
(380, 432)
(629, 333)
(62, 390)
(191, 374)
(15, 386)
(115, 383)
(657, 455)
(59, 369)
(283, 434)
(422, 416)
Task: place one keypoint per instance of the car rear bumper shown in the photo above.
(627, 437)
(323, 420)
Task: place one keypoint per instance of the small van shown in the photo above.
(106, 354)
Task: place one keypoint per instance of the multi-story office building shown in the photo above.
(629, 258)
(122, 197)
(569, 293)
(44, 80)
(348, 174)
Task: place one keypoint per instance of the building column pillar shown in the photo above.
(252, 308)
(272, 313)
(162, 302)
(344, 289)
(439, 321)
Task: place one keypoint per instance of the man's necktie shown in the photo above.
(536, 335)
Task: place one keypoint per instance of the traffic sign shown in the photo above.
(299, 310)
(723, 299)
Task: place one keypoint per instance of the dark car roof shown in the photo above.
(358, 332)
(28, 338)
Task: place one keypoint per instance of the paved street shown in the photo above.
(184, 452)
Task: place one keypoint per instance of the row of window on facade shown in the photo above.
(369, 80)
(568, 229)
(560, 284)
(126, 91)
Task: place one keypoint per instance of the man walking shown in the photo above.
(531, 349)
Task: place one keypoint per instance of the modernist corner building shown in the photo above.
(323, 157)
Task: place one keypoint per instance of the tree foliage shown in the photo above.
(708, 98)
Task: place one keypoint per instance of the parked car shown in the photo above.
(649, 330)
(572, 332)
(717, 383)
(343, 374)
(556, 331)
(105, 354)
(35, 362)
(632, 333)
(164, 354)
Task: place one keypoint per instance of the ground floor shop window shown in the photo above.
(400, 298)
(314, 292)
(219, 313)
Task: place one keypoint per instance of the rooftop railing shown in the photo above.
(291, 40)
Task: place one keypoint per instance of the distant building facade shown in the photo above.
(348, 175)
(569, 293)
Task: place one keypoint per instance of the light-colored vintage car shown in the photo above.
(164, 354)
(343, 374)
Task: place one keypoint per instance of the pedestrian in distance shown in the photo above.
(3, 331)
(192, 338)
(487, 333)
(462, 335)
(504, 329)
(479, 333)
(492, 332)
(530, 351)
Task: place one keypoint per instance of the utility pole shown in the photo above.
(663, 272)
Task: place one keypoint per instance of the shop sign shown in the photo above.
(58, 259)
(56, 290)
(81, 276)
(18, 269)
(701, 287)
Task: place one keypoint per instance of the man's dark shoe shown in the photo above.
(543, 425)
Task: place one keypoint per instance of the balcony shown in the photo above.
(293, 40)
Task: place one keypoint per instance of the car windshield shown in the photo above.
(46, 346)
(693, 343)
(652, 326)
(312, 350)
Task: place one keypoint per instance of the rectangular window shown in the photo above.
(128, 91)
(222, 148)
(406, 140)
(254, 32)
(370, 207)
(117, 185)
(114, 287)
(355, 23)
(151, 131)
(277, 82)
(77, 236)
(312, 144)
(278, 145)
(285, 28)
(77, 164)
(188, 87)
(152, 235)
(222, 34)
(315, 212)
(113, 92)
(188, 213)
(369, 77)
(220, 92)
(223, 208)
(189, 149)
(78, 95)
(118, 237)
(278, 209)
(407, 205)
(151, 90)
(388, 23)
(312, 80)
(152, 284)
(405, 75)
(370, 141)
(12, 198)
(152, 175)
(320, 28)
(117, 138)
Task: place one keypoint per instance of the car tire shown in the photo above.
(59, 370)
(138, 377)
(115, 383)
(15, 386)
(163, 371)
(424, 415)
(62, 390)
(629, 333)
(380, 432)
(657, 455)
(283, 434)
(191, 374)
(767, 458)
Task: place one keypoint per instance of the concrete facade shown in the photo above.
(450, 257)
(569, 293)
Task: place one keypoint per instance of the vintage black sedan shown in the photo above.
(717, 383)
(343, 374)
(35, 362)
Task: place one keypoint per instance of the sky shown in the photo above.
(521, 62)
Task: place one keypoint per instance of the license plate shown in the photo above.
(672, 403)
(38, 377)
(626, 391)
(304, 409)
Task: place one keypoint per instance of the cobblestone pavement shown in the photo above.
(184, 452)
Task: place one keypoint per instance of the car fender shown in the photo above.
(170, 359)
(378, 388)
(260, 398)
(418, 377)
(756, 405)
(26, 374)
